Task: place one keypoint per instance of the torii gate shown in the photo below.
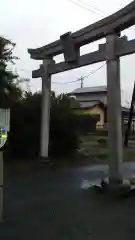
(70, 44)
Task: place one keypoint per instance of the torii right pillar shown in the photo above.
(114, 110)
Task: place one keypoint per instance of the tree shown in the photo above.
(10, 92)
(63, 128)
(8, 89)
(24, 137)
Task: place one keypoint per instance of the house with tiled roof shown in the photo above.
(93, 101)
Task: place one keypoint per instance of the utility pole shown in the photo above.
(130, 118)
(81, 79)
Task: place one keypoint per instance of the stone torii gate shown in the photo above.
(69, 44)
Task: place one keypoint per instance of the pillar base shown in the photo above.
(116, 188)
(45, 161)
(111, 189)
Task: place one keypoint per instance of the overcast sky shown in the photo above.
(31, 24)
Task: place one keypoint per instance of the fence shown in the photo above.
(103, 129)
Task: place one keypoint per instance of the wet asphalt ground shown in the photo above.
(51, 204)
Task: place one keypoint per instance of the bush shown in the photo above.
(24, 136)
(63, 128)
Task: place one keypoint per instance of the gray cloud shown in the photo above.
(36, 23)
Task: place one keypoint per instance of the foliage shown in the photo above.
(8, 89)
(6, 51)
(63, 131)
(24, 136)
(25, 126)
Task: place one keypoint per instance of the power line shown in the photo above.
(85, 8)
(77, 80)
(92, 9)
(24, 70)
(94, 71)
(82, 78)
(95, 8)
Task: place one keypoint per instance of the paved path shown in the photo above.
(50, 204)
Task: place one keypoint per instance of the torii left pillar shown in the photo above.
(45, 108)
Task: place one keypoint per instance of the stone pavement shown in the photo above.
(50, 204)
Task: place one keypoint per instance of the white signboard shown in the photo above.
(4, 128)
(5, 118)
(4, 125)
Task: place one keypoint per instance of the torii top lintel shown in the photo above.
(116, 22)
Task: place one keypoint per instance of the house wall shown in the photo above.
(94, 111)
(100, 111)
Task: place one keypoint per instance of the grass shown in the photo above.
(92, 150)
(95, 148)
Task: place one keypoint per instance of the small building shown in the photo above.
(93, 101)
